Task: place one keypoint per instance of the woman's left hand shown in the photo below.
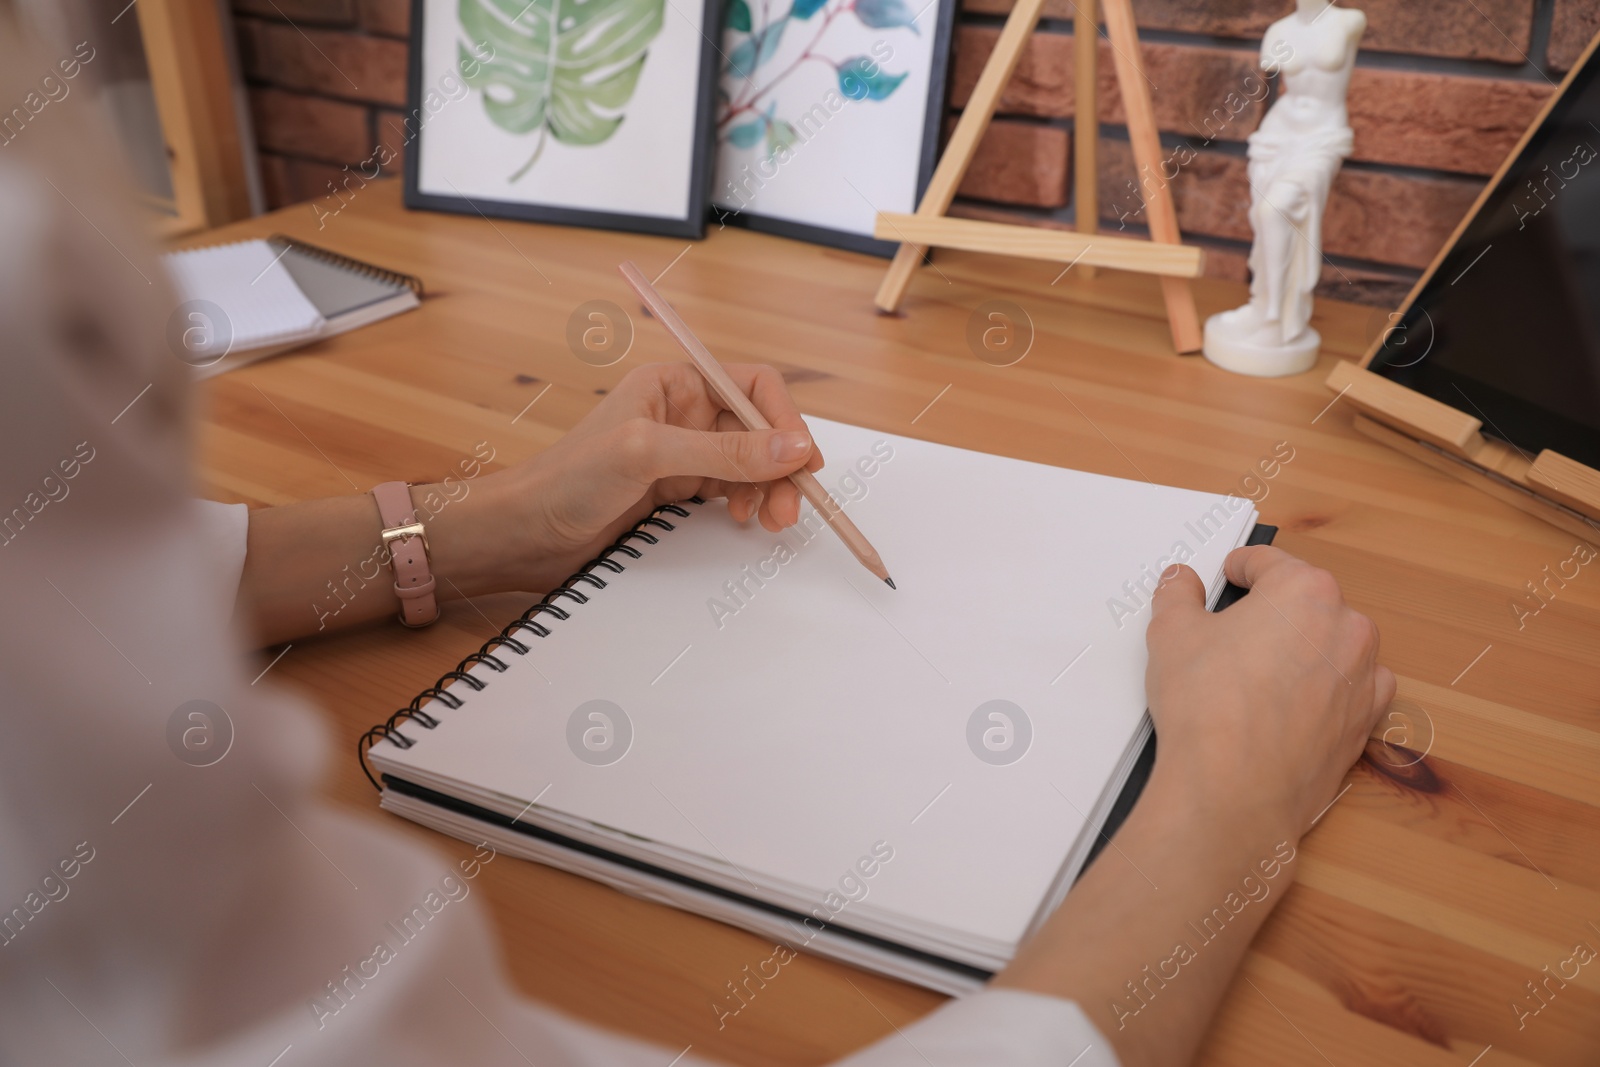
(661, 435)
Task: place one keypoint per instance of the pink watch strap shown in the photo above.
(407, 542)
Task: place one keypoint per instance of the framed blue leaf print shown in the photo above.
(827, 112)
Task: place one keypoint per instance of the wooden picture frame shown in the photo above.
(187, 48)
(422, 190)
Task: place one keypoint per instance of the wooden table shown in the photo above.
(1429, 894)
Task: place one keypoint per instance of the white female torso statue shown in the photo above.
(1293, 159)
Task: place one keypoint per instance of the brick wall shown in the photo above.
(1441, 91)
(327, 78)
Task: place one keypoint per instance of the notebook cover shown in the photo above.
(333, 290)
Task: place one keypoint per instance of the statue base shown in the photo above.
(1235, 349)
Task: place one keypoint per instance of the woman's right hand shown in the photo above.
(1259, 710)
(1262, 708)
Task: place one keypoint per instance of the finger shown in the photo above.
(1181, 597)
(781, 498)
(744, 501)
(766, 389)
(648, 451)
(781, 508)
(728, 423)
(1383, 688)
(1248, 565)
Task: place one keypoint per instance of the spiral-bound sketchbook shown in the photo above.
(750, 726)
(251, 299)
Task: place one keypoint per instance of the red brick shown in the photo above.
(1020, 163)
(310, 180)
(1376, 288)
(1500, 30)
(1572, 27)
(324, 62)
(275, 180)
(1382, 289)
(1210, 191)
(388, 17)
(1392, 218)
(1384, 218)
(309, 126)
(1041, 84)
(309, 12)
(1206, 93)
(1441, 121)
(1202, 92)
(389, 129)
(292, 181)
(327, 190)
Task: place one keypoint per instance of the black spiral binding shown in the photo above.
(344, 262)
(389, 728)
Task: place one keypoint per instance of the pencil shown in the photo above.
(735, 400)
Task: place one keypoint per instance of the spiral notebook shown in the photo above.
(247, 300)
(750, 726)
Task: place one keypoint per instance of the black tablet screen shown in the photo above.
(1508, 327)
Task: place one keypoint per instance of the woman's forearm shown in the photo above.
(660, 435)
(1147, 940)
(319, 566)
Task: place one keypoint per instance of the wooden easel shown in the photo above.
(1164, 255)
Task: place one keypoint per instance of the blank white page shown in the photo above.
(781, 740)
(248, 281)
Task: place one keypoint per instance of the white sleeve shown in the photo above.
(224, 530)
(997, 1028)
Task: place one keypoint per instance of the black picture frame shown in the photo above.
(932, 136)
(691, 226)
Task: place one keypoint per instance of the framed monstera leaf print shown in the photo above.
(827, 112)
(586, 112)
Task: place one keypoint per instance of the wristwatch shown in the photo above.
(406, 543)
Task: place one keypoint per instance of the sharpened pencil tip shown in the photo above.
(890, 583)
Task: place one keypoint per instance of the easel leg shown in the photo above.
(1085, 124)
(963, 143)
(1146, 145)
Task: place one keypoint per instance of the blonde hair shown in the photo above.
(83, 297)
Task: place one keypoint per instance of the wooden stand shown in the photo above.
(1085, 124)
(1163, 255)
(186, 50)
(1559, 490)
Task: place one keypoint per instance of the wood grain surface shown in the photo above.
(1464, 858)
